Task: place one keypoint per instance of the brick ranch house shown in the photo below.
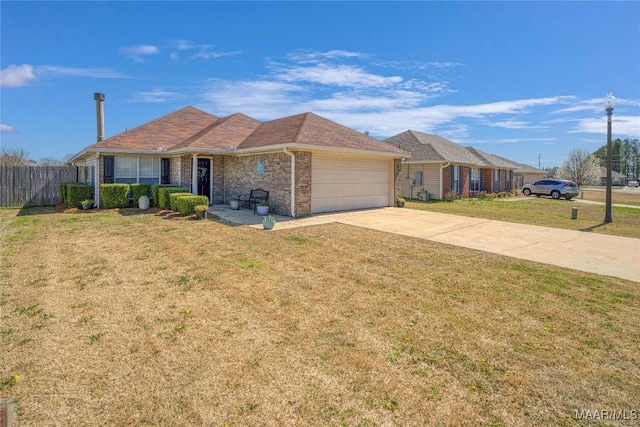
(439, 166)
(308, 164)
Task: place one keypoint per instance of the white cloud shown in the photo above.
(138, 52)
(513, 124)
(6, 128)
(52, 71)
(514, 140)
(317, 57)
(261, 99)
(17, 75)
(337, 75)
(205, 54)
(157, 96)
(621, 126)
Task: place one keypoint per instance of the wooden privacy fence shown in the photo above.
(27, 186)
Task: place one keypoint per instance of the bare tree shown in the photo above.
(50, 161)
(14, 157)
(580, 166)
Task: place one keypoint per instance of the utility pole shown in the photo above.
(539, 162)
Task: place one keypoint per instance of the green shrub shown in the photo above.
(163, 195)
(139, 190)
(63, 191)
(186, 205)
(154, 191)
(173, 197)
(75, 193)
(114, 195)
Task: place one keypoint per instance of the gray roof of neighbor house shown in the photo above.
(425, 147)
(614, 174)
(492, 160)
(190, 129)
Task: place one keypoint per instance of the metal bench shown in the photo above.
(254, 197)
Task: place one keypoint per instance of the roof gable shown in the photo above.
(311, 129)
(163, 132)
(427, 147)
(227, 132)
(492, 160)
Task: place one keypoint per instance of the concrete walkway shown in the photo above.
(585, 251)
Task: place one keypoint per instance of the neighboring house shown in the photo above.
(439, 166)
(307, 163)
(525, 174)
(616, 177)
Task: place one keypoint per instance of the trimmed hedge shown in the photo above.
(187, 204)
(139, 190)
(115, 195)
(75, 193)
(163, 195)
(63, 192)
(154, 191)
(173, 197)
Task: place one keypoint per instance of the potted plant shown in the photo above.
(234, 203)
(201, 211)
(262, 208)
(268, 222)
(87, 204)
(400, 202)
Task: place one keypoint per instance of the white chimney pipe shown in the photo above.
(99, 97)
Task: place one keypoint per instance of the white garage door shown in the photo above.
(343, 183)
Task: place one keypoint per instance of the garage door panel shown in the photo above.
(353, 190)
(340, 183)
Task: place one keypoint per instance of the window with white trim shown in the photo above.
(508, 178)
(496, 180)
(474, 184)
(455, 179)
(132, 170)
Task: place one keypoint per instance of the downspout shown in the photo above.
(293, 180)
(441, 169)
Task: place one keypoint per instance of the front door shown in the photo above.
(204, 169)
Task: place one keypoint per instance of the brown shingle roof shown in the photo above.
(427, 147)
(311, 129)
(224, 133)
(163, 132)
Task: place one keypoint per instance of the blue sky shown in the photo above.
(518, 79)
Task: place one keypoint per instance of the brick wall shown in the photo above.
(217, 184)
(241, 176)
(465, 176)
(486, 178)
(446, 181)
(303, 183)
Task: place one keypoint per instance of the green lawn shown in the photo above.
(127, 318)
(541, 211)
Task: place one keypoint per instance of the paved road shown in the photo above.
(585, 251)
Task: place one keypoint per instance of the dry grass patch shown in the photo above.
(113, 319)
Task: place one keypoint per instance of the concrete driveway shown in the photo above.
(585, 251)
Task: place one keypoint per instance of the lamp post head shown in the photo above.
(609, 101)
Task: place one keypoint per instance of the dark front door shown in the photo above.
(204, 169)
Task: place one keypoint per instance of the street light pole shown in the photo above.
(609, 103)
